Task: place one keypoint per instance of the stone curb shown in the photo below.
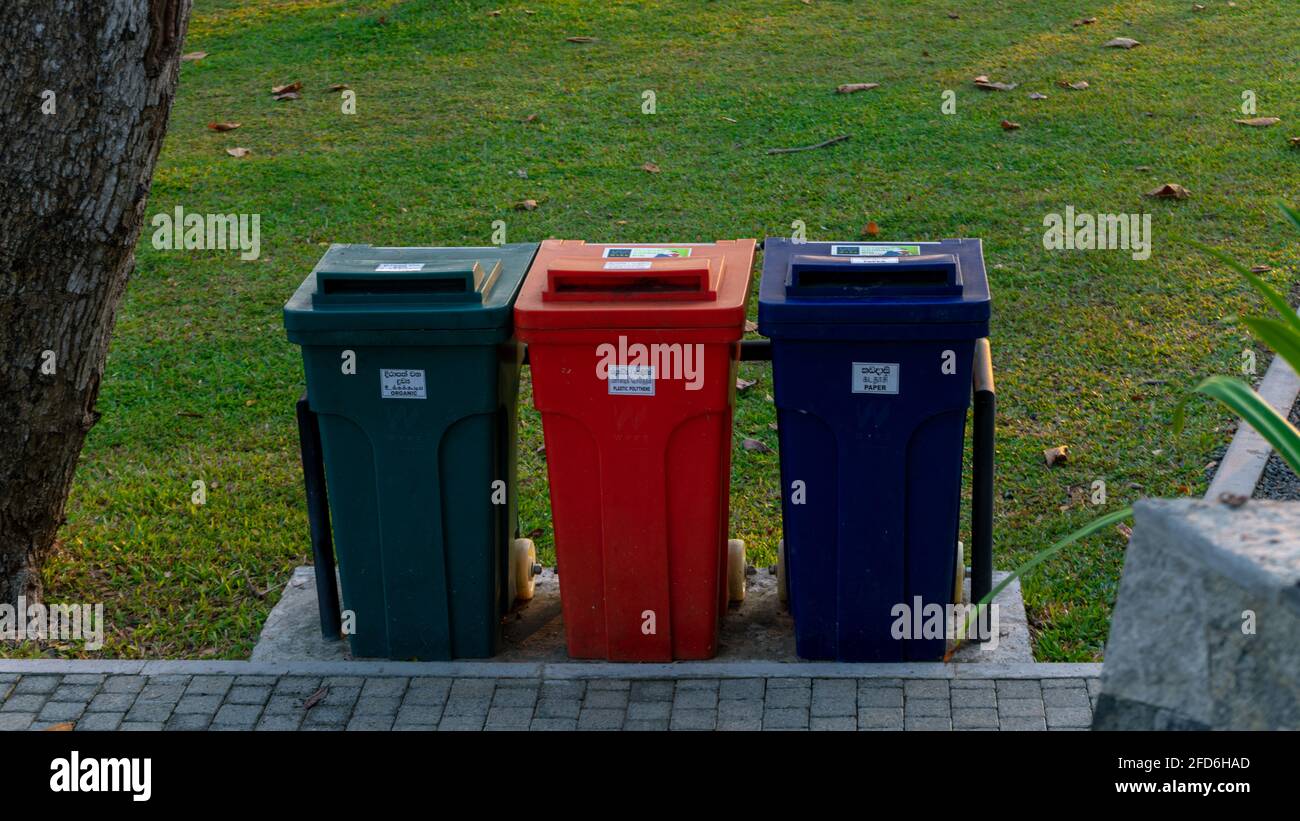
(1242, 466)
(568, 670)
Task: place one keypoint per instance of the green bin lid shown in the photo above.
(365, 288)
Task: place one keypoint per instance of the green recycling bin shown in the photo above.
(413, 369)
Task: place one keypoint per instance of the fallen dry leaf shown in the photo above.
(1169, 191)
(526, 205)
(1085, 21)
(729, 119)
(849, 88)
(288, 95)
(1007, 125)
(1057, 456)
(61, 727)
(1197, 7)
(238, 152)
(983, 82)
(222, 126)
(1122, 42)
(872, 230)
(650, 167)
(750, 326)
(315, 698)
(192, 56)
(1077, 86)
(531, 118)
(287, 87)
(772, 425)
(1259, 122)
(1143, 168)
(1260, 269)
(1124, 530)
(755, 445)
(952, 15)
(743, 384)
(496, 13)
(1295, 142)
(340, 87)
(1034, 95)
(581, 39)
(1233, 500)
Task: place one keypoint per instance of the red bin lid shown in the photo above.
(574, 285)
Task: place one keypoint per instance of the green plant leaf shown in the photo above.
(1180, 415)
(1035, 560)
(1283, 339)
(1257, 413)
(1291, 214)
(1273, 298)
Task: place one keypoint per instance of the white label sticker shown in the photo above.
(646, 253)
(875, 377)
(401, 383)
(624, 266)
(631, 380)
(875, 250)
(864, 260)
(400, 266)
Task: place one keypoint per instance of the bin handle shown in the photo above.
(984, 403)
(604, 280)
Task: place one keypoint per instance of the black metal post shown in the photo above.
(318, 516)
(755, 350)
(981, 514)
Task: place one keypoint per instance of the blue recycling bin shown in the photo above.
(872, 350)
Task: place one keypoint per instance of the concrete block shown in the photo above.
(1203, 632)
(785, 718)
(880, 718)
(741, 688)
(690, 718)
(600, 718)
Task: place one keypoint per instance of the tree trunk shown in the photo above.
(86, 87)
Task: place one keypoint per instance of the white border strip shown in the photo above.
(1243, 465)
(559, 670)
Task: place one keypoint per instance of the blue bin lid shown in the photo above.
(841, 284)
(365, 288)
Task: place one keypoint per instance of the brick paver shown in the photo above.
(278, 703)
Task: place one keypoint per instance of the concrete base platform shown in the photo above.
(759, 629)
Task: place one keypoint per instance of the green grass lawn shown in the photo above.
(1092, 350)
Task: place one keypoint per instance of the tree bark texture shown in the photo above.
(86, 87)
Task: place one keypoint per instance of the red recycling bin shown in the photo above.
(633, 351)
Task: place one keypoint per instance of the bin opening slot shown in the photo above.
(600, 280)
(389, 285)
(932, 275)
(405, 283)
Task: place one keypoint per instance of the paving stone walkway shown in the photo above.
(140, 701)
